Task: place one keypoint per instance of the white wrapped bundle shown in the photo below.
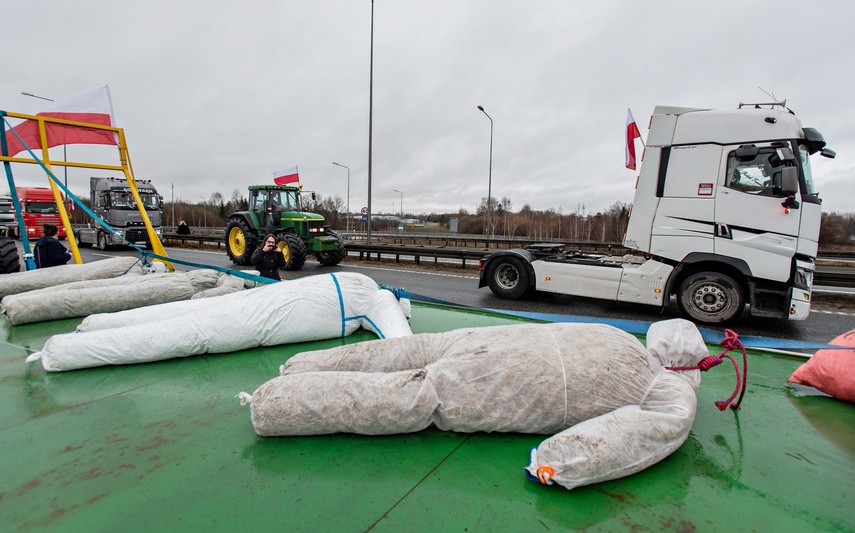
(81, 298)
(227, 284)
(624, 411)
(31, 280)
(312, 308)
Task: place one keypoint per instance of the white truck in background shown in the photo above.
(112, 200)
(725, 213)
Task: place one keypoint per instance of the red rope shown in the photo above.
(731, 341)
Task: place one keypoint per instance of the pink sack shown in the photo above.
(831, 370)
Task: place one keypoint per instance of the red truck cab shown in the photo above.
(38, 208)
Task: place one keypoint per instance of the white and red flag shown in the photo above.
(632, 134)
(90, 107)
(286, 176)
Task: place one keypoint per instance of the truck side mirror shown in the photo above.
(789, 181)
(829, 153)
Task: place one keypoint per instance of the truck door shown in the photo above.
(751, 222)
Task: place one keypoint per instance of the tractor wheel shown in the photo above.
(9, 261)
(240, 241)
(332, 257)
(294, 250)
(508, 278)
(711, 298)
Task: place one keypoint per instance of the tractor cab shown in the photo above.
(270, 204)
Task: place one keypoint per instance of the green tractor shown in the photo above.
(277, 209)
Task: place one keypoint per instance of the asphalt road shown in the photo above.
(461, 287)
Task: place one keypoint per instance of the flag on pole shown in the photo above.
(632, 134)
(91, 107)
(286, 176)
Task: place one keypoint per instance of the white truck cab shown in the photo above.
(725, 213)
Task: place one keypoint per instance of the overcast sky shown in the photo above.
(216, 95)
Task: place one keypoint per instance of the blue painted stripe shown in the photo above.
(640, 327)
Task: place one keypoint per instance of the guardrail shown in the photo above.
(200, 239)
(366, 251)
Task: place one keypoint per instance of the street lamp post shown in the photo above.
(490, 176)
(402, 204)
(205, 211)
(370, 119)
(64, 152)
(348, 193)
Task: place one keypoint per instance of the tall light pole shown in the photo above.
(204, 210)
(402, 204)
(348, 192)
(490, 176)
(370, 119)
(64, 152)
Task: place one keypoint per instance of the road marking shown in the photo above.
(841, 313)
(404, 270)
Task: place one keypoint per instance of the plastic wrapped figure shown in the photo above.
(611, 405)
(312, 308)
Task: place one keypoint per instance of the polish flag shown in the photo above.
(286, 176)
(91, 107)
(632, 134)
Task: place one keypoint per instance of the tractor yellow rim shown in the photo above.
(285, 249)
(237, 241)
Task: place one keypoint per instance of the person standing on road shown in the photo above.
(49, 251)
(268, 259)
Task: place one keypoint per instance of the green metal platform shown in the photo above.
(166, 447)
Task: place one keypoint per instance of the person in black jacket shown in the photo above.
(49, 251)
(183, 228)
(268, 258)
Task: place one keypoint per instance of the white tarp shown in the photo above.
(307, 309)
(31, 280)
(614, 407)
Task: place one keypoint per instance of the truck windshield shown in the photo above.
(804, 156)
(40, 207)
(125, 200)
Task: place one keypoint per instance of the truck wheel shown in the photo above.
(294, 250)
(332, 257)
(508, 278)
(102, 241)
(240, 241)
(711, 298)
(9, 261)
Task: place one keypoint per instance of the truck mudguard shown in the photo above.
(525, 255)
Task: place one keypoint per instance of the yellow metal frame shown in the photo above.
(126, 168)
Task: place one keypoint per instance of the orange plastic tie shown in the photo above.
(543, 471)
